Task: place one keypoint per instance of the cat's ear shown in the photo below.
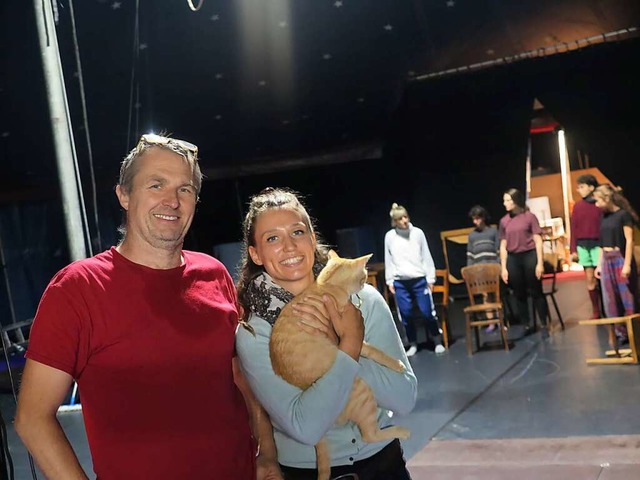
(333, 255)
(364, 259)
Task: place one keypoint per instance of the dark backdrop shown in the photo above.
(452, 142)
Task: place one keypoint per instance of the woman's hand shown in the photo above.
(349, 325)
(267, 468)
(505, 275)
(626, 271)
(539, 270)
(315, 318)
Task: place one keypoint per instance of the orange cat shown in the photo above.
(301, 358)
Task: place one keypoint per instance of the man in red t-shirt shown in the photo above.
(146, 329)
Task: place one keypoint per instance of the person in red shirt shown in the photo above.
(585, 236)
(147, 330)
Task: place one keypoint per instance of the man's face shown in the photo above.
(585, 190)
(162, 201)
(403, 222)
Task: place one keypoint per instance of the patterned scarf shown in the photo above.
(267, 299)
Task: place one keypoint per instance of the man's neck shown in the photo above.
(150, 256)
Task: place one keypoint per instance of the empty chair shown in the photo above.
(483, 287)
(549, 288)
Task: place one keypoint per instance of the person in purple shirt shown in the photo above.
(521, 258)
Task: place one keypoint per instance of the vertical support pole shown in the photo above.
(62, 135)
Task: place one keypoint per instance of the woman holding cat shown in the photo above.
(281, 259)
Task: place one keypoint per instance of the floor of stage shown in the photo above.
(535, 412)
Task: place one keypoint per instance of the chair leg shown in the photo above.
(468, 334)
(503, 332)
(476, 331)
(555, 305)
(445, 329)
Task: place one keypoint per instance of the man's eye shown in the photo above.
(155, 186)
(187, 190)
(272, 238)
(298, 232)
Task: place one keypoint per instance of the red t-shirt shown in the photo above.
(519, 230)
(151, 351)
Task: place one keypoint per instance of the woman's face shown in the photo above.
(601, 201)
(478, 222)
(285, 247)
(508, 202)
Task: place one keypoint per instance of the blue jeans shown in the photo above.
(416, 293)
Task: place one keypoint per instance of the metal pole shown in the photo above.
(60, 125)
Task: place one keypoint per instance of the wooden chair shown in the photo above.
(442, 300)
(483, 283)
(459, 236)
(549, 288)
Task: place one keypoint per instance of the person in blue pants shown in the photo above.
(410, 275)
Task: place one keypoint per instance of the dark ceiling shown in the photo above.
(259, 83)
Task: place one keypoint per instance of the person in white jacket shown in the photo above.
(410, 274)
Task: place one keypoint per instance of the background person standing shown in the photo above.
(585, 236)
(410, 275)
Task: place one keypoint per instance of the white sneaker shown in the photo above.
(412, 351)
(439, 349)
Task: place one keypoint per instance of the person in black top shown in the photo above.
(617, 269)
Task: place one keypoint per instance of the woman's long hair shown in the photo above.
(614, 196)
(268, 199)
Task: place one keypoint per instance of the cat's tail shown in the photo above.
(382, 358)
(323, 460)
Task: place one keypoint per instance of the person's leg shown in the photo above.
(624, 299)
(534, 287)
(607, 283)
(518, 286)
(405, 306)
(587, 257)
(424, 300)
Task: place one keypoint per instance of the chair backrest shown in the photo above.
(442, 286)
(482, 280)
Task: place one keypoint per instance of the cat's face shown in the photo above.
(285, 247)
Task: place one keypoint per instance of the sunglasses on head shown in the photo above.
(153, 139)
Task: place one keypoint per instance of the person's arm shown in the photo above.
(628, 251)
(393, 391)
(427, 260)
(389, 268)
(470, 249)
(503, 260)
(303, 415)
(537, 239)
(42, 391)
(267, 467)
(574, 222)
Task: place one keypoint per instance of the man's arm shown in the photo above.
(42, 391)
(267, 460)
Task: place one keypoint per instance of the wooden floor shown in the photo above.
(535, 412)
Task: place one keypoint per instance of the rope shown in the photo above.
(85, 119)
